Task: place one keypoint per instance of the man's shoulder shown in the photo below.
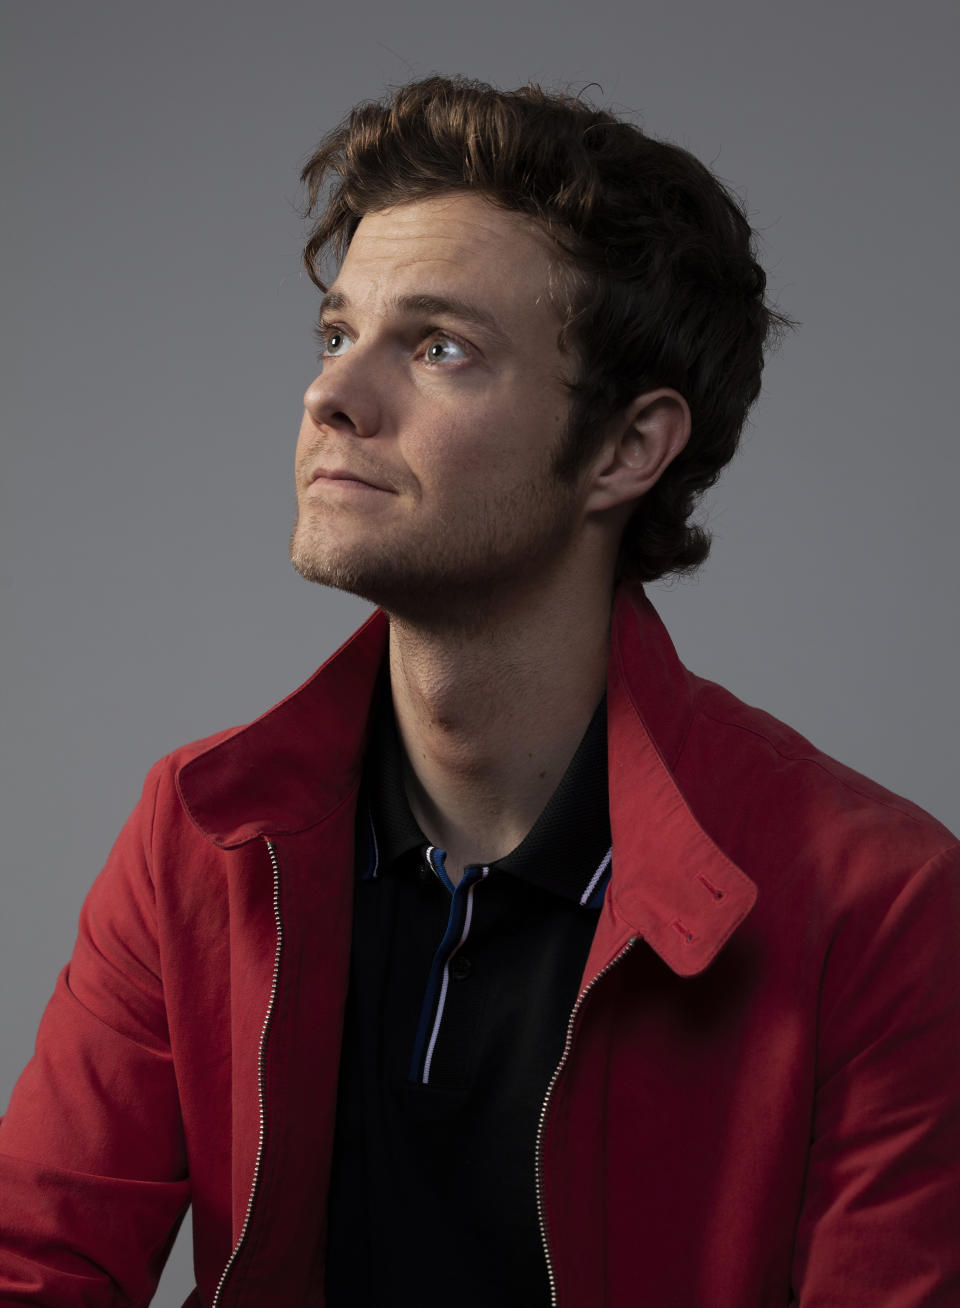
(765, 787)
(166, 768)
(781, 753)
(755, 784)
(161, 804)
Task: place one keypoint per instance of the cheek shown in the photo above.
(469, 451)
(484, 439)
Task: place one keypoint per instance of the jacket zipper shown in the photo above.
(261, 1061)
(544, 1235)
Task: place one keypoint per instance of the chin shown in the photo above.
(427, 579)
(425, 596)
(378, 580)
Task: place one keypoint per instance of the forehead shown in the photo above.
(458, 245)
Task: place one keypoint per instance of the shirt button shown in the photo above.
(460, 968)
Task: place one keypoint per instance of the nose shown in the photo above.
(343, 397)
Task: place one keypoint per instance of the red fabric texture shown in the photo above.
(760, 1105)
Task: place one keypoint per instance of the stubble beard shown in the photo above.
(455, 571)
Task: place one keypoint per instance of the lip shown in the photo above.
(345, 478)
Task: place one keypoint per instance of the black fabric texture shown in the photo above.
(447, 1053)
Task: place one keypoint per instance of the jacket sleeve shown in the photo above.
(880, 1223)
(93, 1176)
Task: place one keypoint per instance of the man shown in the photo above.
(507, 962)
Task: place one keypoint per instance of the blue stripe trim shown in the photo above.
(451, 938)
(438, 861)
(444, 989)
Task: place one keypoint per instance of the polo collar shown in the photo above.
(566, 851)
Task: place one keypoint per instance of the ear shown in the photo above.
(643, 442)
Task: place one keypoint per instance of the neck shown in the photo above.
(491, 712)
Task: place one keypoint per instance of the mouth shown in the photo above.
(343, 479)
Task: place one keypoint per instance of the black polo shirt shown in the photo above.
(456, 1016)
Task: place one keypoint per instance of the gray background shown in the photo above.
(157, 343)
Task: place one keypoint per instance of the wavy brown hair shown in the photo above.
(658, 281)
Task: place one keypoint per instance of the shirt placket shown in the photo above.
(444, 967)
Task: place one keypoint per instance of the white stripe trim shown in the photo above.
(425, 1080)
(596, 877)
(433, 867)
(376, 847)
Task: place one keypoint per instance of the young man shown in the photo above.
(506, 961)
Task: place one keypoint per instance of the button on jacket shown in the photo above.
(758, 1101)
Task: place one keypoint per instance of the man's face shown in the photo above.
(423, 465)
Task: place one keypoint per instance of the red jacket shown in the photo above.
(759, 1099)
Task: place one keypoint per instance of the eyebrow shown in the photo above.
(428, 304)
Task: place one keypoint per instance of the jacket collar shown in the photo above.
(298, 763)
(294, 766)
(677, 889)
